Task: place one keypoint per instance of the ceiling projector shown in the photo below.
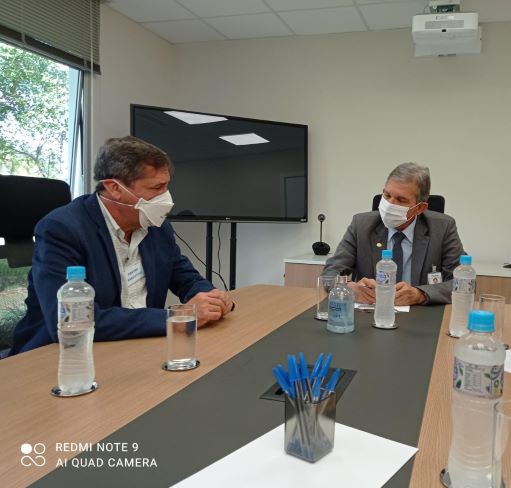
(445, 30)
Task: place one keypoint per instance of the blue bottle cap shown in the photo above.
(465, 260)
(481, 321)
(75, 273)
(386, 254)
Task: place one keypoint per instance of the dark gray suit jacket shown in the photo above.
(435, 243)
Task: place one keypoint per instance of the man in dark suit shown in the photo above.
(425, 240)
(120, 235)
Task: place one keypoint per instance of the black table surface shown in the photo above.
(222, 411)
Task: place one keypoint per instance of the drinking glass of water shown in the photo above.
(181, 338)
(325, 284)
(497, 305)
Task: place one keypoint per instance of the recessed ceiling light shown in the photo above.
(192, 119)
(244, 139)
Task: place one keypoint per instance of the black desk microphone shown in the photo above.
(321, 248)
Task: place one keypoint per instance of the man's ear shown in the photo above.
(113, 189)
(417, 210)
(422, 207)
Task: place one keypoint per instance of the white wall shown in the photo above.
(369, 105)
(135, 68)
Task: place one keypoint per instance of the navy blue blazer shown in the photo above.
(77, 235)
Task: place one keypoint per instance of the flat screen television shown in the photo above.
(228, 168)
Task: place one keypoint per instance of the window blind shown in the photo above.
(65, 30)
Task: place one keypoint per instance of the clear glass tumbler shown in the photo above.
(324, 285)
(181, 338)
(497, 305)
(501, 461)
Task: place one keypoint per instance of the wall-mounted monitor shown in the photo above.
(229, 168)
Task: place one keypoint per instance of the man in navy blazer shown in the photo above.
(128, 249)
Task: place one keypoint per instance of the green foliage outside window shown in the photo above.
(13, 290)
(34, 96)
(34, 112)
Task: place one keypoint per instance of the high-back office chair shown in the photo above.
(24, 200)
(435, 203)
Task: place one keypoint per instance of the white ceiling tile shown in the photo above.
(250, 26)
(150, 11)
(391, 15)
(489, 10)
(176, 20)
(280, 5)
(184, 31)
(219, 8)
(363, 2)
(324, 21)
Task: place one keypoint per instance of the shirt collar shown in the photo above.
(111, 223)
(408, 232)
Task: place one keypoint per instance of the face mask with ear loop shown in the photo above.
(151, 212)
(394, 216)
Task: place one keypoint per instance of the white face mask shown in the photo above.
(393, 215)
(156, 209)
(151, 212)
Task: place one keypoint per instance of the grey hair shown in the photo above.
(124, 158)
(413, 173)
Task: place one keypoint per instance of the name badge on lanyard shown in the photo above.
(434, 277)
(134, 273)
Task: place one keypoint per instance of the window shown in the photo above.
(41, 123)
(42, 101)
(41, 108)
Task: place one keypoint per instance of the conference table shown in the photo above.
(185, 421)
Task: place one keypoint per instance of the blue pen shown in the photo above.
(294, 376)
(324, 368)
(326, 365)
(332, 382)
(304, 374)
(282, 381)
(283, 371)
(292, 368)
(316, 391)
(317, 367)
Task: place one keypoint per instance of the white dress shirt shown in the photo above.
(133, 282)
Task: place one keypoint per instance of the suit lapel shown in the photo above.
(420, 246)
(379, 238)
(147, 254)
(92, 207)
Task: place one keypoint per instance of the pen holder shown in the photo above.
(310, 428)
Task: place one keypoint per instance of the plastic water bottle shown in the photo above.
(477, 387)
(341, 307)
(76, 333)
(463, 290)
(384, 313)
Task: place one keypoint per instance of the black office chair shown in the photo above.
(24, 200)
(435, 203)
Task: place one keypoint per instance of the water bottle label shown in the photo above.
(478, 380)
(337, 311)
(383, 278)
(464, 285)
(70, 312)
